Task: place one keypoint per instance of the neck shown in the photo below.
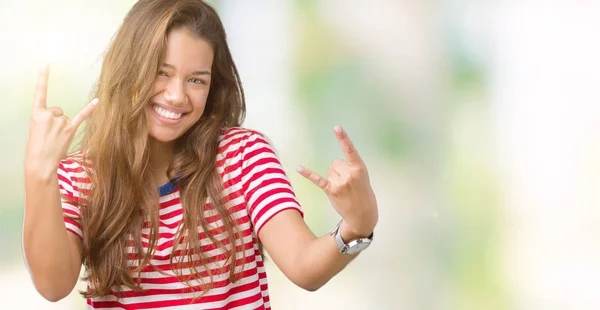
(161, 155)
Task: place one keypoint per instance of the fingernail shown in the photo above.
(95, 101)
(299, 169)
(337, 129)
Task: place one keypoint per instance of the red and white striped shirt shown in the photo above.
(250, 172)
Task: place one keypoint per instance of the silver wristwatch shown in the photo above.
(352, 247)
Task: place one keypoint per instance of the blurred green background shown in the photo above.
(478, 121)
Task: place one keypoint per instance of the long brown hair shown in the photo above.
(115, 141)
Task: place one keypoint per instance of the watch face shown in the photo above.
(357, 246)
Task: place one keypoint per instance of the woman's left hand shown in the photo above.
(349, 190)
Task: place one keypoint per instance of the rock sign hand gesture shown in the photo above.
(50, 131)
(348, 188)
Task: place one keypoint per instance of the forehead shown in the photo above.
(187, 52)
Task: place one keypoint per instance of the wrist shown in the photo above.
(348, 233)
(360, 226)
(36, 171)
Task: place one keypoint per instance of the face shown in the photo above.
(181, 86)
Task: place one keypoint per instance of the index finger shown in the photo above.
(41, 88)
(348, 148)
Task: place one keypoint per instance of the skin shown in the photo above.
(54, 256)
(181, 86)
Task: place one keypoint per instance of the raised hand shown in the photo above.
(50, 131)
(348, 188)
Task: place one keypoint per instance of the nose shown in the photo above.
(174, 92)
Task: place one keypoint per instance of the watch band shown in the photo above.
(353, 246)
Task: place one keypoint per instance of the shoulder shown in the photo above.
(73, 178)
(242, 148)
(75, 166)
(237, 139)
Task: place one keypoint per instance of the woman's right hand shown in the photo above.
(50, 131)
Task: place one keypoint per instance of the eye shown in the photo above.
(162, 73)
(196, 81)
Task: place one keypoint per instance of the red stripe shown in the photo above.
(243, 301)
(197, 288)
(69, 211)
(214, 271)
(170, 202)
(269, 181)
(262, 173)
(274, 191)
(172, 214)
(201, 235)
(74, 232)
(169, 245)
(232, 166)
(209, 220)
(178, 302)
(72, 222)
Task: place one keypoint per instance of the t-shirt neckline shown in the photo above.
(166, 188)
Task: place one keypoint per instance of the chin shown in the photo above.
(164, 137)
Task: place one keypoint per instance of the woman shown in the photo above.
(167, 116)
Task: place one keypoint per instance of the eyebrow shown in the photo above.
(193, 73)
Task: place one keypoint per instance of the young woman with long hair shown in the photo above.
(169, 202)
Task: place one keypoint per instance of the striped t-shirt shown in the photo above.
(250, 172)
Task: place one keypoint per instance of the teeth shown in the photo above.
(168, 114)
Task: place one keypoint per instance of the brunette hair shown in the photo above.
(115, 143)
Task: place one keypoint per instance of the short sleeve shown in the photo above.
(70, 195)
(267, 189)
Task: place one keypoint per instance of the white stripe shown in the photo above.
(172, 220)
(253, 305)
(186, 271)
(269, 199)
(71, 164)
(75, 229)
(265, 188)
(234, 134)
(267, 215)
(179, 285)
(68, 206)
(169, 197)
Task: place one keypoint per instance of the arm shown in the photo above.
(53, 255)
(306, 260)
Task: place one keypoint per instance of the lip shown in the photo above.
(169, 108)
(168, 120)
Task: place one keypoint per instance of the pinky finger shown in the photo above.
(315, 178)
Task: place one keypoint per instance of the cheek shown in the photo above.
(199, 103)
(158, 86)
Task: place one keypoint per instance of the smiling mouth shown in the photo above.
(167, 114)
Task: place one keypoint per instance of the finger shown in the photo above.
(348, 148)
(56, 111)
(335, 180)
(83, 114)
(340, 167)
(331, 174)
(315, 178)
(41, 88)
